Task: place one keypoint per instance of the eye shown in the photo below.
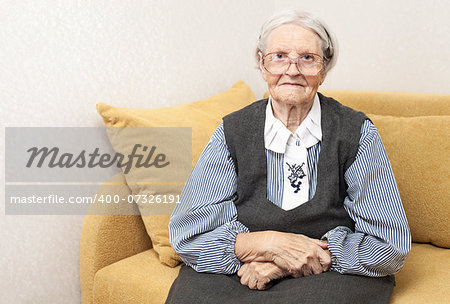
(278, 56)
(308, 57)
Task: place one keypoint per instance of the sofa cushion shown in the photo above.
(418, 149)
(142, 279)
(202, 116)
(137, 279)
(424, 278)
(106, 237)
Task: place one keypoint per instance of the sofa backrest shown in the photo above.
(393, 103)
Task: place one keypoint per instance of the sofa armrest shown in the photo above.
(106, 239)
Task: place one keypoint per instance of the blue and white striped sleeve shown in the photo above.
(203, 226)
(382, 239)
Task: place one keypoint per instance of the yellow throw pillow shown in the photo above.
(418, 149)
(202, 116)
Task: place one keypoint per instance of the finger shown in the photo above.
(252, 283)
(306, 270)
(245, 278)
(240, 272)
(297, 274)
(324, 259)
(316, 267)
(268, 285)
(322, 244)
(244, 268)
(261, 285)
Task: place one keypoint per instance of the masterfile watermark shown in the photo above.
(51, 157)
(68, 170)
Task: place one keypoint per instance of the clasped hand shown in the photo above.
(270, 255)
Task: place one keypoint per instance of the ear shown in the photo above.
(261, 66)
(322, 78)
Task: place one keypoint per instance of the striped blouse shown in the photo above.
(203, 227)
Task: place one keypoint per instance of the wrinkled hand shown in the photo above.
(258, 275)
(296, 253)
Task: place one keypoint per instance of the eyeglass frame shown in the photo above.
(323, 63)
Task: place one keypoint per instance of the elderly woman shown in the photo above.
(294, 194)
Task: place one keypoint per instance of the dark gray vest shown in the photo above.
(244, 134)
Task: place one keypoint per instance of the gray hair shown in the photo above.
(328, 41)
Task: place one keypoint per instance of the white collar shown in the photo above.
(276, 135)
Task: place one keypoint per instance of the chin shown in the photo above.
(291, 99)
(292, 95)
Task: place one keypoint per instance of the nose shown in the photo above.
(293, 68)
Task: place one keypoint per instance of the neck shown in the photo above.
(291, 115)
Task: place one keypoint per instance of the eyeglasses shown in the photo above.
(278, 63)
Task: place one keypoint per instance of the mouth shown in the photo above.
(292, 84)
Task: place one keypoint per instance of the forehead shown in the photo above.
(293, 37)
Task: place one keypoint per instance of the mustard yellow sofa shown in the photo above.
(119, 264)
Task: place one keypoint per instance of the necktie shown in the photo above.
(295, 169)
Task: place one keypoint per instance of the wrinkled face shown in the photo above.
(292, 87)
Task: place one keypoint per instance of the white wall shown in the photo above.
(58, 59)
